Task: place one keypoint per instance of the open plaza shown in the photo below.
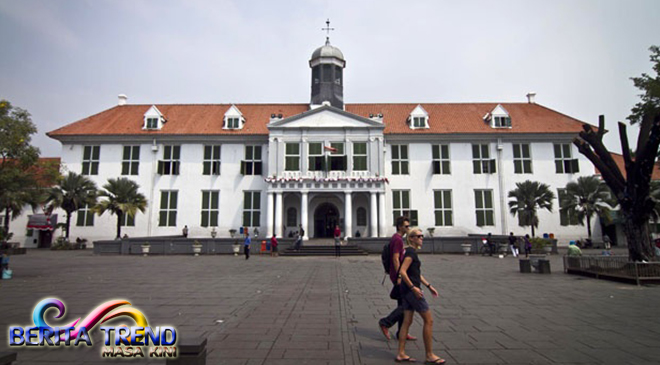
(323, 310)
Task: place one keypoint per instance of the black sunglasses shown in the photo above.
(417, 235)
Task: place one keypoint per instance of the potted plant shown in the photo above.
(232, 232)
(236, 247)
(467, 247)
(431, 230)
(197, 248)
(540, 244)
(145, 248)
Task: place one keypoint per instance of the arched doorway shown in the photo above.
(326, 217)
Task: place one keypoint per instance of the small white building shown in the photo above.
(275, 167)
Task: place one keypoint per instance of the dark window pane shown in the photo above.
(127, 153)
(172, 219)
(445, 168)
(557, 149)
(395, 152)
(205, 218)
(249, 152)
(207, 152)
(162, 219)
(257, 152)
(214, 218)
(517, 167)
(435, 152)
(125, 168)
(449, 221)
(404, 168)
(475, 151)
(87, 152)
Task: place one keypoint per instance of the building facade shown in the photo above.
(275, 167)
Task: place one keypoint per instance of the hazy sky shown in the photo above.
(66, 60)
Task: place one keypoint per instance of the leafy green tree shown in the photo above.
(72, 193)
(584, 198)
(18, 184)
(121, 198)
(632, 190)
(527, 198)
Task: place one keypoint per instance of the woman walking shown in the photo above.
(413, 299)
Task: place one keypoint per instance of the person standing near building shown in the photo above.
(512, 244)
(302, 232)
(185, 231)
(528, 245)
(246, 245)
(413, 299)
(396, 256)
(337, 241)
(273, 246)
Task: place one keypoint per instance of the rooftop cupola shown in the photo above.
(327, 64)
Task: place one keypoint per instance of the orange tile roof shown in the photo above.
(655, 175)
(205, 119)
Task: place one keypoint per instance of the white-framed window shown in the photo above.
(252, 164)
(233, 123)
(251, 208)
(443, 208)
(169, 165)
(337, 157)
(292, 156)
(566, 218)
(91, 157)
(401, 205)
(152, 123)
(130, 160)
(501, 121)
(168, 204)
(315, 157)
(399, 159)
(481, 161)
(210, 208)
(291, 217)
(419, 122)
(564, 163)
(211, 160)
(127, 221)
(484, 207)
(85, 217)
(440, 158)
(360, 156)
(522, 158)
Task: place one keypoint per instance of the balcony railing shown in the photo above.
(613, 268)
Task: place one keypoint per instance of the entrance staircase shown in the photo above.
(323, 247)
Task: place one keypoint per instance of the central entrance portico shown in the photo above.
(326, 217)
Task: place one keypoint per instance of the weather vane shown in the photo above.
(327, 29)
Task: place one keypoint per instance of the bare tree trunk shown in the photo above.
(638, 239)
(589, 226)
(7, 220)
(533, 231)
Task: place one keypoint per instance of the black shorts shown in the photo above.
(274, 248)
(411, 303)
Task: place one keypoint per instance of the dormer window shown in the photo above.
(232, 123)
(233, 118)
(152, 123)
(498, 118)
(153, 119)
(418, 118)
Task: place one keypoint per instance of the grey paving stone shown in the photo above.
(324, 311)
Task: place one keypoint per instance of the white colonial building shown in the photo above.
(275, 167)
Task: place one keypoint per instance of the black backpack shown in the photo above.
(386, 258)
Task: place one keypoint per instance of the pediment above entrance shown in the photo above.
(325, 117)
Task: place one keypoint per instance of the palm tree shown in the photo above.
(72, 193)
(528, 197)
(122, 197)
(584, 198)
(12, 203)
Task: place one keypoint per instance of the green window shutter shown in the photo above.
(575, 167)
(215, 200)
(167, 153)
(96, 152)
(164, 197)
(395, 168)
(89, 222)
(162, 219)
(205, 200)
(447, 199)
(438, 218)
(480, 218)
(87, 152)
(449, 219)
(413, 218)
(246, 219)
(491, 168)
(176, 153)
(161, 167)
(172, 219)
(127, 153)
(85, 168)
(475, 151)
(134, 168)
(175, 167)
(516, 151)
(446, 170)
(256, 200)
(395, 152)
(527, 166)
(489, 218)
(207, 152)
(445, 151)
(173, 199)
(435, 152)
(207, 168)
(488, 199)
(257, 168)
(557, 149)
(95, 168)
(517, 167)
(205, 218)
(404, 167)
(136, 153)
(404, 152)
(242, 167)
(485, 153)
(476, 166)
(214, 219)
(125, 168)
(80, 218)
(257, 153)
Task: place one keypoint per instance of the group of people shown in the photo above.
(407, 280)
(513, 244)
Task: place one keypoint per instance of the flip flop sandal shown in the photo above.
(407, 359)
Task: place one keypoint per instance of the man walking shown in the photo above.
(337, 241)
(396, 252)
(246, 245)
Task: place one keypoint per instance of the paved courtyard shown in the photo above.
(322, 310)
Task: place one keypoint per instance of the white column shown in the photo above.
(303, 214)
(382, 228)
(278, 214)
(373, 215)
(269, 216)
(348, 215)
